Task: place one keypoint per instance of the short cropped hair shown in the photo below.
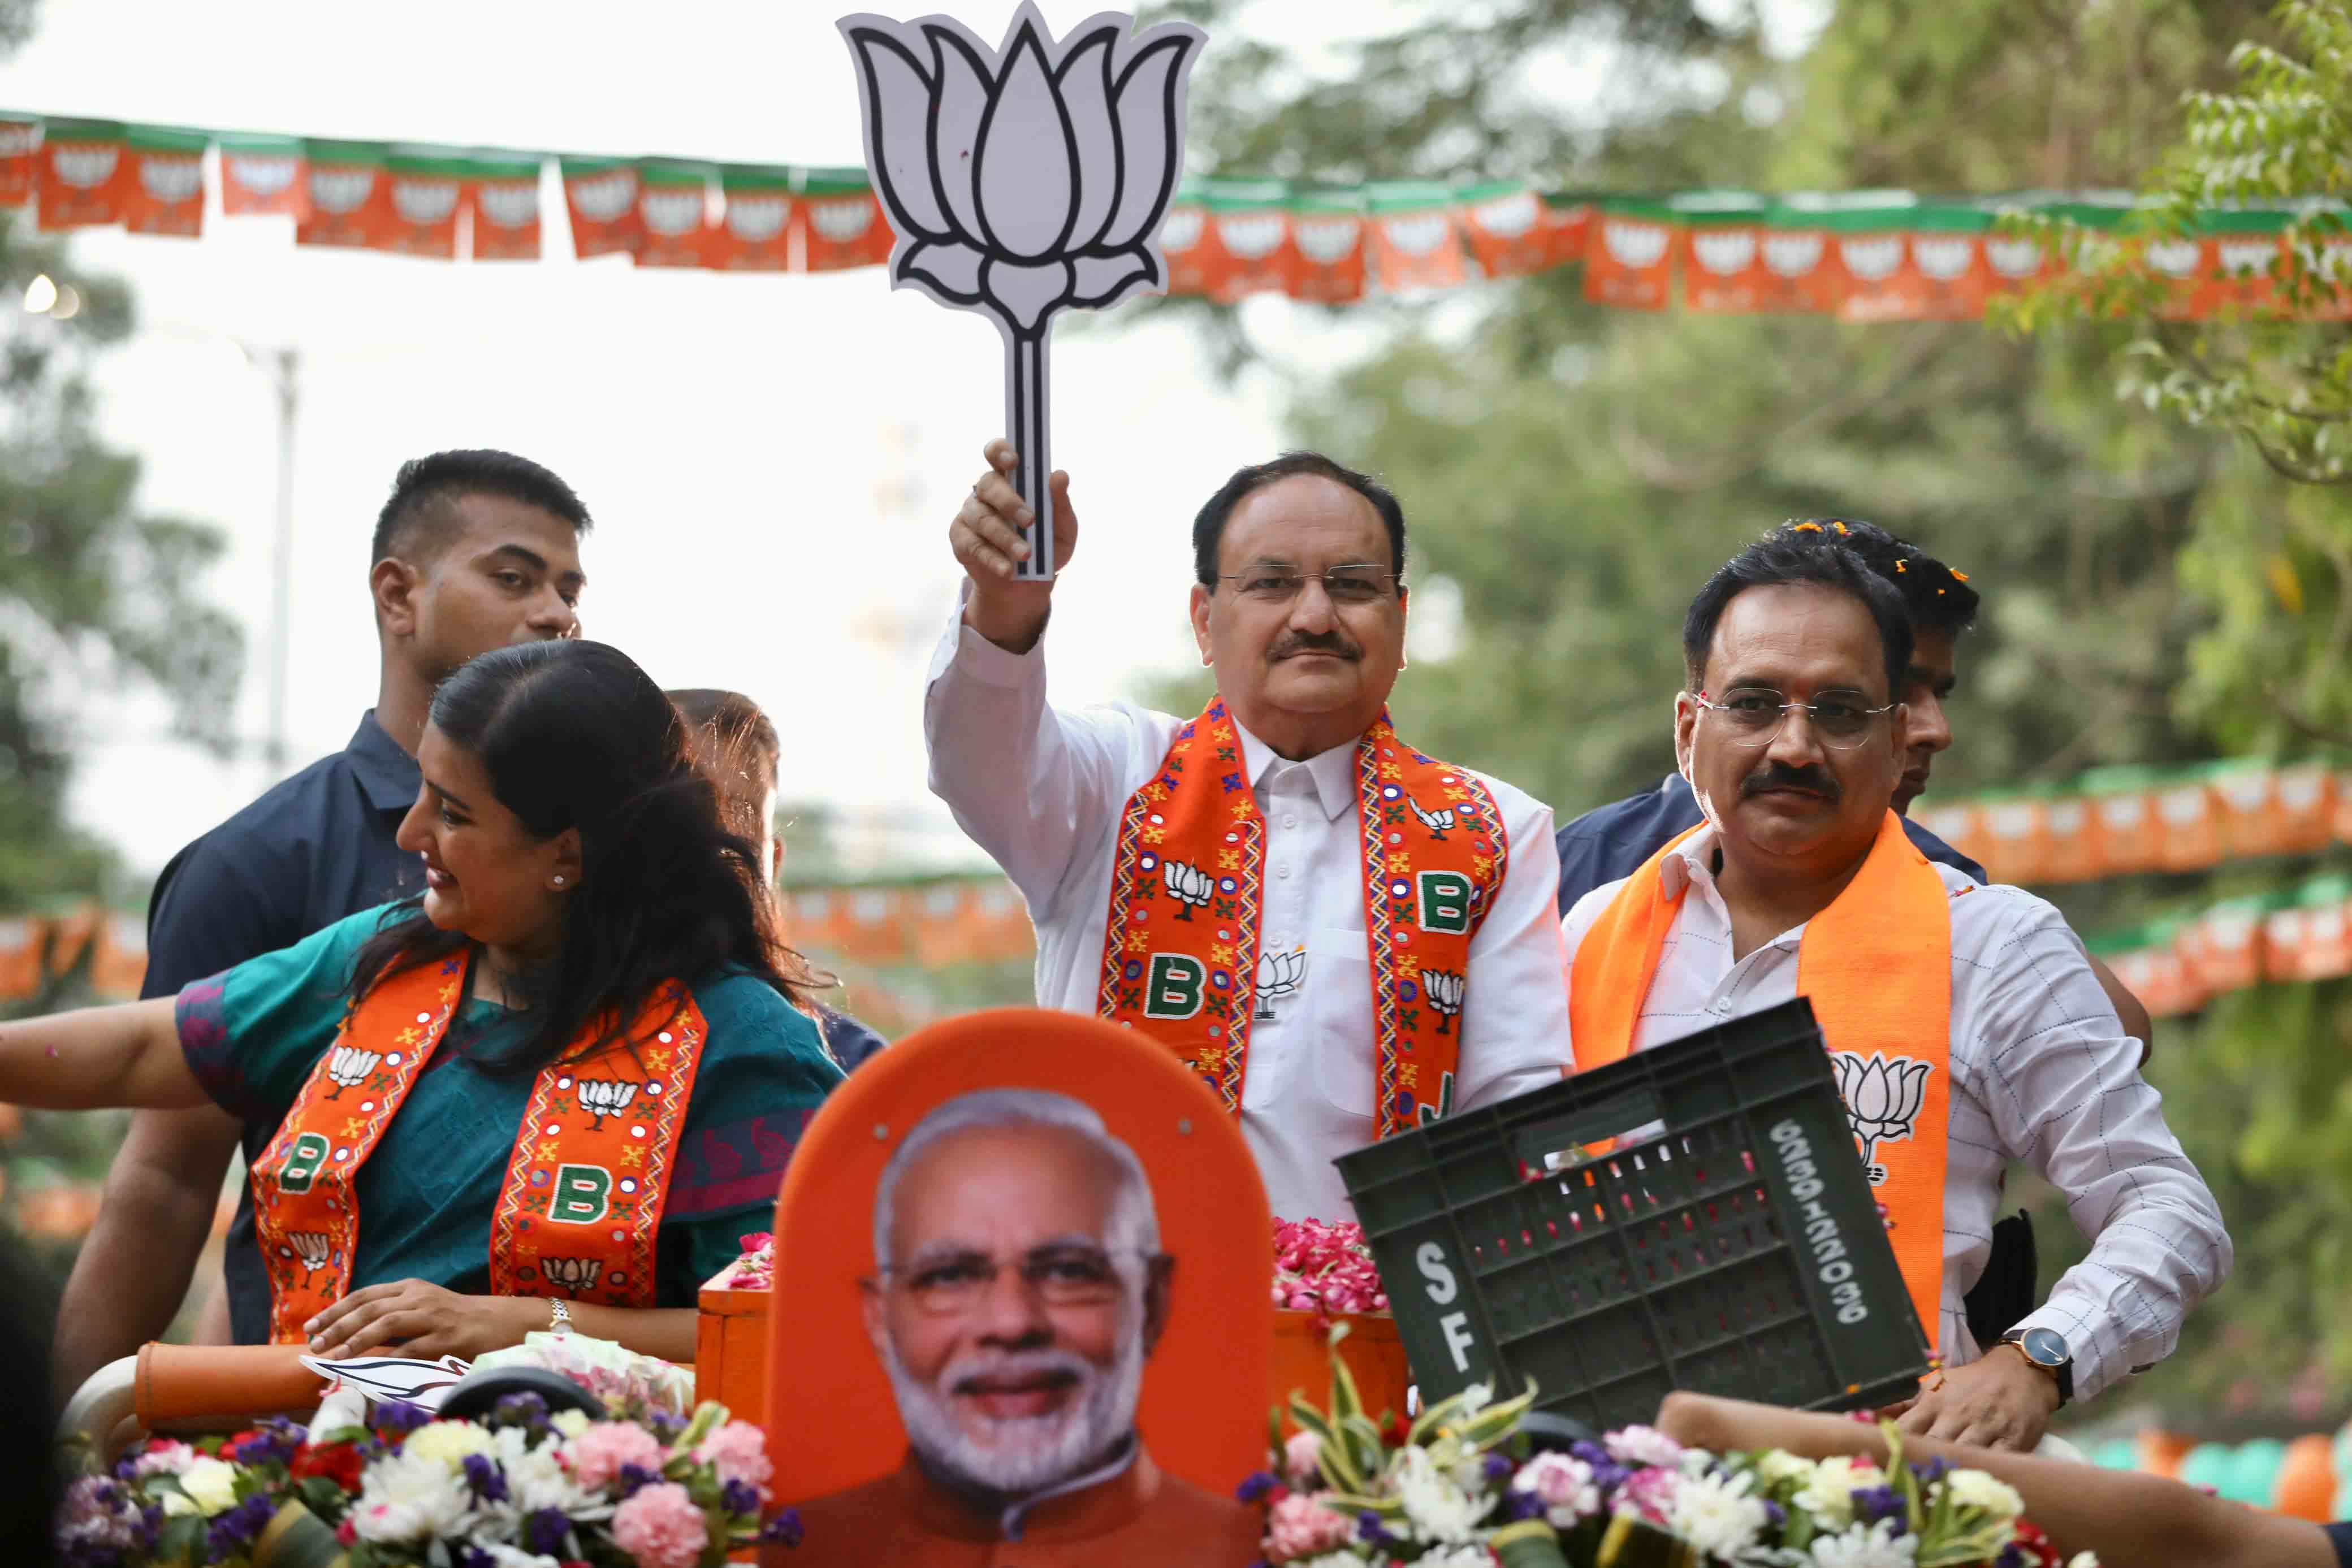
(1938, 597)
(418, 517)
(1135, 1219)
(1785, 556)
(733, 738)
(1209, 524)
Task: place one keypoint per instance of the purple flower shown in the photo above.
(1932, 1471)
(634, 1476)
(475, 1557)
(1519, 1505)
(526, 1410)
(1871, 1505)
(740, 1497)
(785, 1527)
(543, 1530)
(1372, 1533)
(399, 1417)
(483, 1478)
(1497, 1469)
(1030, 176)
(232, 1531)
(1258, 1485)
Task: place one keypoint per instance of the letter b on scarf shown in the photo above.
(583, 1194)
(1174, 992)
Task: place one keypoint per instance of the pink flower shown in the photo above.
(1563, 1484)
(1298, 1527)
(1302, 1456)
(737, 1452)
(164, 1458)
(599, 1453)
(1321, 1267)
(661, 1527)
(1650, 1494)
(1642, 1446)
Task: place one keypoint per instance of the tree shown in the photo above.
(1574, 472)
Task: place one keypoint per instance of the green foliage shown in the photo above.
(96, 593)
(2153, 592)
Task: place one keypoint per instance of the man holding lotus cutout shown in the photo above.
(1343, 937)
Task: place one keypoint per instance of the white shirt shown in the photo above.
(1041, 790)
(2041, 1071)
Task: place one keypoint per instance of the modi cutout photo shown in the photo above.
(1041, 1332)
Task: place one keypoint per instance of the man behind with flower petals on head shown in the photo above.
(1018, 1290)
(1344, 937)
(1965, 1022)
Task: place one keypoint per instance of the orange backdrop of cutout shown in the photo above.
(832, 1421)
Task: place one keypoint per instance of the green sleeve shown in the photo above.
(253, 1033)
(762, 1076)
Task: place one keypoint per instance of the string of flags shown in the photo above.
(1867, 256)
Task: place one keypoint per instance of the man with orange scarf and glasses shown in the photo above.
(1343, 937)
(1964, 1022)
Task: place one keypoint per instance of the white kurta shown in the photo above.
(2042, 1072)
(1041, 790)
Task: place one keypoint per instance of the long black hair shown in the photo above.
(573, 735)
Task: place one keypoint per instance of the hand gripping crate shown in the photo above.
(1726, 1241)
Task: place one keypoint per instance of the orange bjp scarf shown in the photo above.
(1877, 966)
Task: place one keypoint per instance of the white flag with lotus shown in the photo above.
(1023, 180)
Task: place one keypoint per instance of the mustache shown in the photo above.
(963, 1375)
(1329, 643)
(1779, 776)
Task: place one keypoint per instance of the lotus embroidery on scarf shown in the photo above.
(1883, 1095)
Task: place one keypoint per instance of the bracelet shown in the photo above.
(558, 1315)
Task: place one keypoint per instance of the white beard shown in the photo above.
(1023, 1454)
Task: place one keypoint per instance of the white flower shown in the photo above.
(210, 1484)
(2084, 1560)
(1337, 1560)
(506, 1556)
(1715, 1514)
(569, 1424)
(409, 1497)
(1639, 1445)
(1779, 1465)
(175, 1504)
(1876, 1546)
(1828, 1495)
(1975, 1489)
(1474, 1398)
(1565, 1485)
(448, 1441)
(536, 1479)
(1438, 1509)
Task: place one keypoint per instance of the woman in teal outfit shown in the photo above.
(581, 895)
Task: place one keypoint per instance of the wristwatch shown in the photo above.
(559, 1316)
(2046, 1349)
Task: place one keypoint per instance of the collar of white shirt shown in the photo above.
(1333, 771)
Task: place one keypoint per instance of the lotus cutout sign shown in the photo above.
(1025, 179)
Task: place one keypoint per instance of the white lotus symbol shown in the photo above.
(2066, 816)
(2010, 822)
(2182, 808)
(1325, 241)
(2245, 791)
(509, 207)
(755, 218)
(606, 196)
(1279, 975)
(1632, 244)
(2122, 811)
(2247, 254)
(671, 213)
(17, 140)
(2299, 790)
(2014, 257)
(1723, 251)
(1417, 235)
(1873, 259)
(1181, 232)
(843, 220)
(425, 201)
(1792, 255)
(1943, 258)
(264, 174)
(2174, 258)
(1048, 168)
(171, 179)
(2325, 926)
(85, 168)
(1252, 235)
(340, 190)
(1509, 218)
(1883, 1096)
(309, 1246)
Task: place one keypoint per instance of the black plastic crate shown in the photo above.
(1728, 1241)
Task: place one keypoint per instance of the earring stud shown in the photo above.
(559, 882)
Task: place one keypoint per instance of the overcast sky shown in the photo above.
(720, 427)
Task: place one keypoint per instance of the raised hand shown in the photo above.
(989, 534)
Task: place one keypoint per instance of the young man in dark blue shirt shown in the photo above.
(473, 550)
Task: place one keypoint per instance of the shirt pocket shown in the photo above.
(1340, 981)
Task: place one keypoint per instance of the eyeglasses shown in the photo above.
(1754, 715)
(1342, 584)
(1061, 1276)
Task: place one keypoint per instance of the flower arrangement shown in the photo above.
(629, 1385)
(754, 1270)
(1458, 1489)
(1321, 1267)
(518, 1488)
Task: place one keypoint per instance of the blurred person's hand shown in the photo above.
(990, 533)
(413, 1318)
(2001, 1401)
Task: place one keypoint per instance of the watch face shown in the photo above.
(2044, 1347)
